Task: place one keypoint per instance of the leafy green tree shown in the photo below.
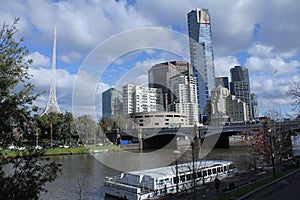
(28, 175)
(16, 97)
(104, 124)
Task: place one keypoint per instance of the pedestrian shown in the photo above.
(217, 183)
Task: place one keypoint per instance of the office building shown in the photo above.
(111, 103)
(201, 52)
(160, 74)
(138, 99)
(240, 86)
(184, 96)
(254, 106)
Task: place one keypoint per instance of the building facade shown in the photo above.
(184, 96)
(201, 52)
(157, 120)
(237, 110)
(111, 103)
(160, 74)
(254, 106)
(218, 100)
(240, 86)
(138, 99)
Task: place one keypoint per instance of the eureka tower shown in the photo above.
(201, 52)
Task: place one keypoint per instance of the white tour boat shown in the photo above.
(144, 184)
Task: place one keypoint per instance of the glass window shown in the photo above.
(209, 172)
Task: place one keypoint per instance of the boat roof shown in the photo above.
(171, 170)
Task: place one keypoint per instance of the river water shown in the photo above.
(82, 175)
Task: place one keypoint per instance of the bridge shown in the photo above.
(158, 138)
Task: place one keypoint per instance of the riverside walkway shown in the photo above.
(286, 187)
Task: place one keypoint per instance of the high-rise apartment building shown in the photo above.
(138, 99)
(111, 103)
(160, 74)
(184, 96)
(240, 86)
(201, 52)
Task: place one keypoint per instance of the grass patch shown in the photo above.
(246, 189)
(109, 148)
(63, 151)
(47, 152)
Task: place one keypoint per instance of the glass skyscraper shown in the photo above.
(201, 52)
(111, 103)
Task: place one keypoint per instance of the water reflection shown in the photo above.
(83, 174)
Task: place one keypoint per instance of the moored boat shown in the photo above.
(149, 183)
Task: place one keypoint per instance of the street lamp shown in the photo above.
(272, 152)
(176, 152)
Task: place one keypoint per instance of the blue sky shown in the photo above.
(262, 35)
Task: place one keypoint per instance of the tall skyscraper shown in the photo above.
(240, 86)
(160, 74)
(52, 105)
(201, 52)
(111, 103)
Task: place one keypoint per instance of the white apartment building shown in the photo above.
(138, 99)
(184, 96)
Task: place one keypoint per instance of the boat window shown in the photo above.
(231, 166)
(225, 168)
(182, 178)
(188, 177)
(219, 169)
(175, 180)
(204, 173)
(214, 170)
(199, 174)
(209, 172)
(194, 175)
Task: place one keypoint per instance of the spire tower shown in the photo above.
(52, 105)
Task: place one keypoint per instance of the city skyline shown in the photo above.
(272, 62)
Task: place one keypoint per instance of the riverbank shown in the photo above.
(61, 151)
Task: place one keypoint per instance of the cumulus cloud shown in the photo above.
(39, 60)
(223, 65)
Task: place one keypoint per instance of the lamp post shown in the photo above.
(272, 152)
(176, 152)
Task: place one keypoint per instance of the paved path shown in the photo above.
(287, 188)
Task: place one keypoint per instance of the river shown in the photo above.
(82, 175)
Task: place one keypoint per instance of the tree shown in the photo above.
(86, 128)
(104, 124)
(16, 96)
(294, 92)
(28, 175)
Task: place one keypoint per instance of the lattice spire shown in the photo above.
(52, 105)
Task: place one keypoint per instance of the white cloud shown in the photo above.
(223, 65)
(39, 60)
(71, 57)
(261, 50)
